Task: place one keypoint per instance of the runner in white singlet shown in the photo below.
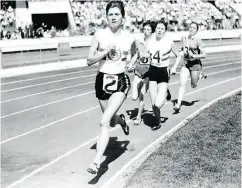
(110, 48)
(160, 47)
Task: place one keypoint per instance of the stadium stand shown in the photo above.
(7, 18)
(178, 14)
(231, 11)
(87, 16)
(51, 44)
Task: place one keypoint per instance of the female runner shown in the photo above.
(192, 52)
(112, 85)
(160, 47)
(141, 66)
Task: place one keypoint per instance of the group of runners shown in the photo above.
(116, 51)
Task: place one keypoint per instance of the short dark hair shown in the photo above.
(161, 22)
(118, 4)
(195, 24)
(151, 24)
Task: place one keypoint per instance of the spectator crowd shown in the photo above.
(90, 15)
(9, 29)
(178, 14)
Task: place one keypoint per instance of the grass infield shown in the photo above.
(204, 153)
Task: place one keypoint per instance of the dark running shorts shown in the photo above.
(158, 74)
(142, 71)
(194, 65)
(142, 67)
(107, 84)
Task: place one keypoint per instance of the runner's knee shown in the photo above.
(182, 84)
(193, 84)
(134, 97)
(157, 105)
(106, 122)
(141, 96)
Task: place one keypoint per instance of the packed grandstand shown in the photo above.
(87, 16)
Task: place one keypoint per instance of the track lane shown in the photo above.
(84, 70)
(61, 137)
(26, 120)
(138, 138)
(29, 104)
(70, 133)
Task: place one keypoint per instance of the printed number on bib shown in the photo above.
(186, 49)
(156, 57)
(110, 83)
(144, 61)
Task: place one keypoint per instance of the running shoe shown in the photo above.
(177, 108)
(156, 127)
(168, 95)
(93, 168)
(202, 76)
(137, 121)
(125, 127)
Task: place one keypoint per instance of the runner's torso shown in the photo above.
(115, 61)
(191, 45)
(160, 51)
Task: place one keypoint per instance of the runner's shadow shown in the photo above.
(114, 150)
(149, 119)
(184, 103)
(133, 113)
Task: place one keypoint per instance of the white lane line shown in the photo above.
(93, 139)
(26, 133)
(31, 79)
(45, 83)
(137, 160)
(51, 76)
(93, 82)
(52, 123)
(46, 104)
(220, 65)
(49, 91)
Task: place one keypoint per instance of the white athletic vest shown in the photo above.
(115, 61)
(160, 51)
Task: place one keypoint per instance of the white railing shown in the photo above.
(79, 41)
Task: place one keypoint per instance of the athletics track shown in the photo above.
(50, 120)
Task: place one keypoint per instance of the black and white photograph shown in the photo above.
(120, 93)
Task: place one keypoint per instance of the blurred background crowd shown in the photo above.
(90, 15)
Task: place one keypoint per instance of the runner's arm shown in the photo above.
(132, 61)
(93, 56)
(201, 55)
(178, 58)
(174, 50)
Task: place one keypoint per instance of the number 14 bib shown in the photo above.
(156, 58)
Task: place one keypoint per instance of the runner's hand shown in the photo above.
(173, 71)
(130, 68)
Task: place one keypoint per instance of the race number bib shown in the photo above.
(110, 83)
(156, 58)
(144, 61)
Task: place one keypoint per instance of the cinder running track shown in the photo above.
(49, 123)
